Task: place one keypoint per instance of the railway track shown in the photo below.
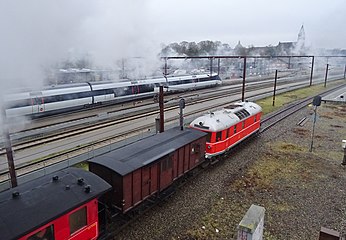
(26, 139)
(121, 222)
(272, 119)
(22, 169)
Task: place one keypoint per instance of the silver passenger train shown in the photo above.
(70, 97)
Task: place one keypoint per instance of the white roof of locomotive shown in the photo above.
(225, 118)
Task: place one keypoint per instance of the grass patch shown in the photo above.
(287, 147)
(287, 97)
(82, 165)
(221, 222)
(335, 156)
(301, 132)
(225, 214)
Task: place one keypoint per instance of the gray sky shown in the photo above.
(257, 22)
(37, 33)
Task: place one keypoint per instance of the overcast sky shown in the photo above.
(36, 33)
(257, 22)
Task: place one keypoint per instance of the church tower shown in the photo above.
(300, 45)
(301, 37)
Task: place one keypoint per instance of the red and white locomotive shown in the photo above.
(228, 126)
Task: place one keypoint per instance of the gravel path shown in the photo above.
(301, 191)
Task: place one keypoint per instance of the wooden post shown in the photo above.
(9, 152)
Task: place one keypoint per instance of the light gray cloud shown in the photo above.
(257, 22)
(36, 33)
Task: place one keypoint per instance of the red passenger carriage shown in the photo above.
(62, 205)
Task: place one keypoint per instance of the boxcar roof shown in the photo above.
(143, 152)
(42, 200)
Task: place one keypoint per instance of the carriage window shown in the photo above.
(235, 128)
(226, 135)
(46, 234)
(218, 136)
(78, 220)
(196, 148)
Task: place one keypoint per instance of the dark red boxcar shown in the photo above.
(149, 166)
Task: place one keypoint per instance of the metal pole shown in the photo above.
(276, 77)
(289, 63)
(313, 129)
(211, 66)
(218, 66)
(162, 126)
(165, 73)
(312, 69)
(9, 152)
(326, 76)
(244, 76)
(181, 114)
(345, 72)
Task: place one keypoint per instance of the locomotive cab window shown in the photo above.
(209, 137)
(46, 234)
(255, 118)
(78, 219)
(218, 136)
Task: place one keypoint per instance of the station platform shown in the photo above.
(338, 96)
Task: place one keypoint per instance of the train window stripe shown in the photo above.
(46, 233)
(116, 91)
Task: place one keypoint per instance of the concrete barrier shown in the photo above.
(251, 226)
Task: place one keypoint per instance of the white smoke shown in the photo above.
(37, 35)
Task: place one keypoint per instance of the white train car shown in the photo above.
(48, 100)
(77, 96)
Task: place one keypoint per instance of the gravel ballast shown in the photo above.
(300, 190)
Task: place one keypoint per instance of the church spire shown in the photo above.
(301, 35)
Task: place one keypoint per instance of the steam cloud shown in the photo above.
(37, 34)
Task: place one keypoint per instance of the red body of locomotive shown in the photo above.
(229, 126)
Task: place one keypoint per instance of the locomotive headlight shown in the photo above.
(209, 147)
